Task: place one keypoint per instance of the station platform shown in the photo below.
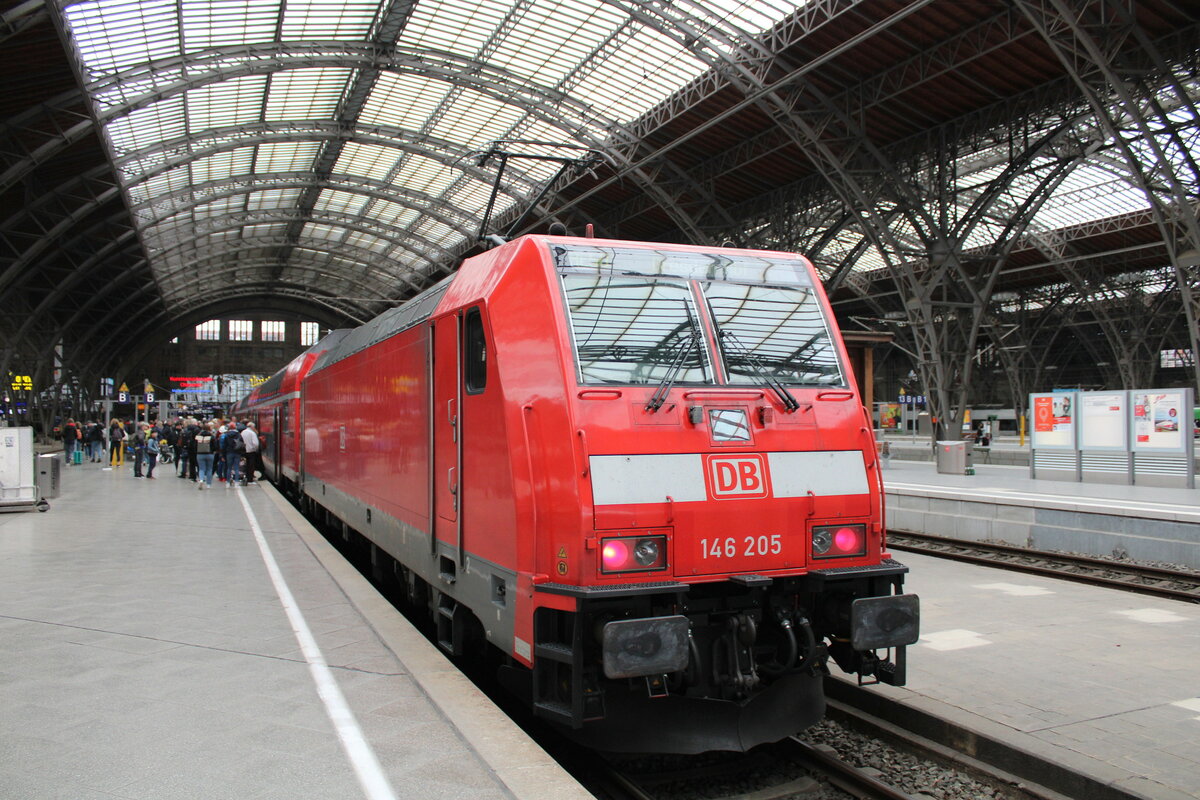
(1100, 681)
(166, 642)
(1002, 503)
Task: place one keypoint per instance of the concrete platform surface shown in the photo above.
(166, 642)
(999, 503)
(1100, 680)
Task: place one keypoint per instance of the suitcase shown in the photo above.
(76, 456)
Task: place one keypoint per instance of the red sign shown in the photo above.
(1043, 414)
(740, 477)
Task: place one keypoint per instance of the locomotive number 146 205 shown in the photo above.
(733, 546)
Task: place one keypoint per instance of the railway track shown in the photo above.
(791, 768)
(1130, 576)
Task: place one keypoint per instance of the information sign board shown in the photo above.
(1103, 421)
(1160, 420)
(1053, 420)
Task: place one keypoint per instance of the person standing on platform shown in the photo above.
(152, 449)
(253, 458)
(220, 467)
(95, 442)
(70, 437)
(116, 444)
(232, 448)
(137, 443)
(205, 443)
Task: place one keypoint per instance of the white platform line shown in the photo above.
(362, 758)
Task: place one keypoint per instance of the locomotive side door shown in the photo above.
(446, 416)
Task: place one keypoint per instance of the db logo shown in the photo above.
(737, 476)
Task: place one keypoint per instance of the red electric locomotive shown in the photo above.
(641, 471)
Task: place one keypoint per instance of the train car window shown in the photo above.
(474, 353)
(776, 332)
(635, 330)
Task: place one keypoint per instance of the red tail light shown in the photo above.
(633, 554)
(839, 541)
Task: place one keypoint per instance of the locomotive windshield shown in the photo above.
(634, 315)
(634, 330)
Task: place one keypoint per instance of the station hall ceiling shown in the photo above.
(167, 158)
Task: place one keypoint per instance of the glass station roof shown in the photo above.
(331, 146)
(329, 143)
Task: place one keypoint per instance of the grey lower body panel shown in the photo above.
(488, 589)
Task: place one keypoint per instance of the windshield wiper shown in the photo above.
(668, 380)
(789, 402)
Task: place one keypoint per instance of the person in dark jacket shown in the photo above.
(70, 438)
(179, 447)
(116, 443)
(137, 443)
(232, 455)
(94, 437)
(188, 467)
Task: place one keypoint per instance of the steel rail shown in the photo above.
(1140, 578)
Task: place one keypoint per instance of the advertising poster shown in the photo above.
(1158, 419)
(1102, 423)
(889, 416)
(1054, 420)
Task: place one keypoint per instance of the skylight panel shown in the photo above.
(237, 101)
(369, 160)
(405, 101)
(319, 230)
(274, 230)
(368, 242)
(644, 71)
(286, 156)
(221, 23)
(269, 199)
(223, 165)
(471, 196)
(162, 185)
(336, 200)
(216, 207)
(328, 19)
(437, 232)
(113, 36)
(392, 214)
(145, 127)
(477, 119)
(424, 175)
(452, 26)
(305, 94)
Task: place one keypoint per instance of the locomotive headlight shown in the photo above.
(839, 541)
(646, 552)
(822, 540)
(633, 554)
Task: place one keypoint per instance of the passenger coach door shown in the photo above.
(447, 439)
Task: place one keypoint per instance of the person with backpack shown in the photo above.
(70, 438)
(232, 449)
(206, 445)
(116, 444)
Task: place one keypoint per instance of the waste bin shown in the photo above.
(954, 458)
(49, 475)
